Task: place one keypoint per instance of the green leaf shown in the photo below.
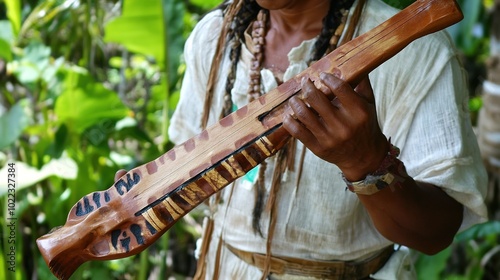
(13, 123)
(14, 14)
(480, 231)
(174, 11)
(431, 267)
(6, 31)
(5, 51)
(27, 176)
(140, 28)
(205, 4)
(84, 102)
(34, 64)
(400, 4)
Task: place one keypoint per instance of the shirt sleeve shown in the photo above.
(198, 54)
(424, 109)
(442, 147)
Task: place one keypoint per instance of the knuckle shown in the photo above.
(301, 112)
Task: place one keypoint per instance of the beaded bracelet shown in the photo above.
(391, 170)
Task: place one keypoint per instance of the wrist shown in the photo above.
(368, 164)
(390, 171)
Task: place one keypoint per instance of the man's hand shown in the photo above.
(344, 131)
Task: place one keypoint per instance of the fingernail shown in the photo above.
(303, 81)
(336, 72)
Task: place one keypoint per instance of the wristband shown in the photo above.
(387, 174)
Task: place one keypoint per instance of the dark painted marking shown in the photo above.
(162, 159)
(244, 162)
(204, 135)
(220, 155)
(224, 173)
(205, 186)
(245, 141)
(128, 185)
(137, 232)
(152, 167)
(181, 202)
(198, 169)
(134, 182)
(137, 172)
(262, 100)
(192, 191)
(119, 185)
(257, 153)
(97, 199)
(227, 121)
(163, 214)
(125, 243)
(86, 203)
(87, 208)
(114, 237)
(242, 112)
(189, 145)
(269, 147)
(79, 210)
(151, 199)
(171, 154)
(173, 186)
(151, 228)
(106, 197)
(199, 178)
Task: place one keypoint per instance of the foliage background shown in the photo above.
(87, 87)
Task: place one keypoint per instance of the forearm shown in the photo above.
(418, 215)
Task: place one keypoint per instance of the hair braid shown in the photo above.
(242, 20)
(330, 23)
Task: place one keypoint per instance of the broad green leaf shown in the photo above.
(5, 51)
(14, 14)
(431, 267)
(84, 102)
(140, 28)
(173, 11)
(6, 31)
(27, 176)
(34, 63)
(480, 231)
(205, 4)
(12, 124)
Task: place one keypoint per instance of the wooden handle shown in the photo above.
(149, 199)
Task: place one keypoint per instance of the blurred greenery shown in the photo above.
(88, 87)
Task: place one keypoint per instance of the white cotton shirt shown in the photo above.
(421, 99)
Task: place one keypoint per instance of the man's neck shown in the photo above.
(305, 18)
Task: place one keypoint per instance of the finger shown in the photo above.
(304, 113)
(365, 90)
(317, 99)
(298, 130)
(120, 173)
(342, 90)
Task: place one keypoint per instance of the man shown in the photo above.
(292, 218)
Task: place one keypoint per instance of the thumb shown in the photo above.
(365, 90)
